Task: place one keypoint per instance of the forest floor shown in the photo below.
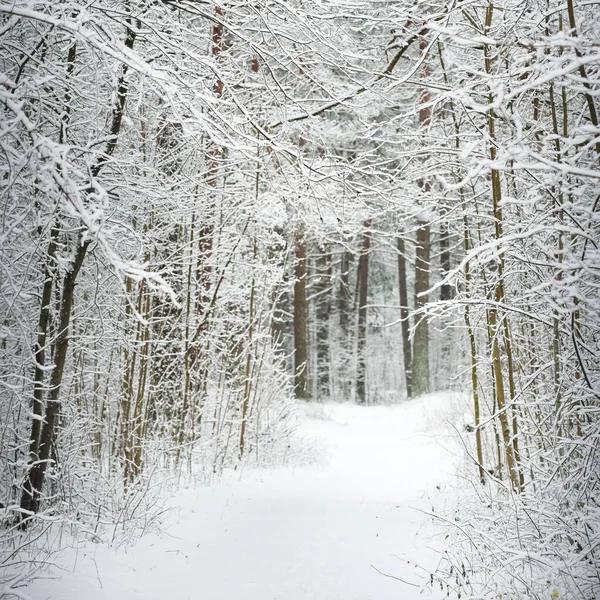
(351, 526)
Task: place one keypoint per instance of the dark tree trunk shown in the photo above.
(40, 349)
(281, 320)
(346, 316)
(44, 318)
(302, 389)
(35, 480)
(323, 306)
(344, 296)
(446, 289)
(404, 312)
(363, 288)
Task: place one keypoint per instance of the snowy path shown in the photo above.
(294, 534)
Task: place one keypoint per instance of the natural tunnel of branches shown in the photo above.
(214, 211)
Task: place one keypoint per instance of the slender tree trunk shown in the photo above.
(345, 314)
(446, 288)
(404, 316)
(130, 360)
(501, 399)
(420, 368)
(214, 155)
(302, 389)
(445, 260)
(248, 366)
(420, 358)
(40, 349)
(363, 288)
(35, 480)
(473, 352)
(138, 420)
(323, 306)
(187, 358)
(509, 432)
(344, 296)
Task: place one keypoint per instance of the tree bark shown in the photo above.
(323, 305)
(509, 432)
(473, 352)
(404, 318)
(420, 366)
(420, 362)
(345, 317)
(302, 389)
(34, 483)
(446, 289)
(40, 349)
(44, 318)
(363, 288)
(248, 365)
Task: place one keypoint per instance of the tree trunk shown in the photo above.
(323, 305)
(509, 433)
(40, 349)
(345, 317)
(420, 366)
(248, 366)
(420, 362)
(473, 352)
(446, 289)
(44, 318)
(404, 312)
(34, 483)
(302, 390)
(363, 288)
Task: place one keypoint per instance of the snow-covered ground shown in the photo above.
(350, 527)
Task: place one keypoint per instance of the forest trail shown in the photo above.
(317, 532)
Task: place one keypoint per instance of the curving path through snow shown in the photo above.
(325, 532)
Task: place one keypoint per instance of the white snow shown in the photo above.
(317, 532)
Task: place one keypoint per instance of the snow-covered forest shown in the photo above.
(225, 225)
